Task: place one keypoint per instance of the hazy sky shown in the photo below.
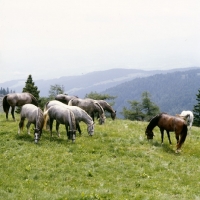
(54, 38)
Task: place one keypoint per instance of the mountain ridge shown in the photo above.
(83, 84)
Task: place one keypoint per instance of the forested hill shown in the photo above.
(172, 92)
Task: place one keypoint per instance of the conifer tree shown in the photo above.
(31, 88)
(141, 111)
(196, 110)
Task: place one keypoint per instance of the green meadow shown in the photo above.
(116, 163)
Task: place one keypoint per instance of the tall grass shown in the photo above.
(116, 163)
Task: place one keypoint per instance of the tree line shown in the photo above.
(142, 110)
(4, 91)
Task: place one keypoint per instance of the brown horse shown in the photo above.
(64, 98)
(17, 99)
(170, 124)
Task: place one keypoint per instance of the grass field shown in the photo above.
(116, 163)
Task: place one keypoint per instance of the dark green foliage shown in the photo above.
(141, 111)
(196, 110)
(30, 88)
(172, 92)
(97, 96)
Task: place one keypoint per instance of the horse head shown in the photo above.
(149, 134)
(102, 119)
(113, 115)
(37, 133)
(90, 129)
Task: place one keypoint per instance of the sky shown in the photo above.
(54, 38)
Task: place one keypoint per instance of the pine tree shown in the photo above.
(30, 88)
(142, 111)
(196, 110)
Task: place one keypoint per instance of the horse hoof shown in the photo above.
(177, 151)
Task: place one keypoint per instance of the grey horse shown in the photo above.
(34, 115)
(90, 106)
(80, 115)
(62, 116)
(17, 99)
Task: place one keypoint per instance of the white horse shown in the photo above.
(189, 118)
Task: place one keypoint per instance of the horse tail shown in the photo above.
(46, 117)
(45, 106)
(73, 120)
(183, 136)
(40, 119)
(70, 103)
(6, 105)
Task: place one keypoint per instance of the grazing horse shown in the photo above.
(64, 98)
(90, 106)
(79, 113)
(34, 116)
(189, 117)
(170, 124)
(64, 116)
(17, 99)
(107, 108)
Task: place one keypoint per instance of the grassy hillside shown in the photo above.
(116, 163)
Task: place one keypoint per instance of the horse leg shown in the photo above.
(67, 131)
(168, 135)
(92, 115)
(28, 127)
(51, 125)
(7, 111)
(78, 128)
(177, 138)
(57, 128)
(21, 125)
(162, 134)
(12, 112)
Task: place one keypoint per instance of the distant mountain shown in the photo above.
(95, 81)
(172, 92)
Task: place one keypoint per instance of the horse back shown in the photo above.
(171, 123)
(29, 111)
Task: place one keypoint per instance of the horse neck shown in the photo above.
(34, 100)
(108, 108)
(73, 122)
(153, 123)
(86, 118)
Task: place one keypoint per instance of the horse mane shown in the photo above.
(154, 121)
(40, 119)
(45, 106)
(100, 106)
(35, 101)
